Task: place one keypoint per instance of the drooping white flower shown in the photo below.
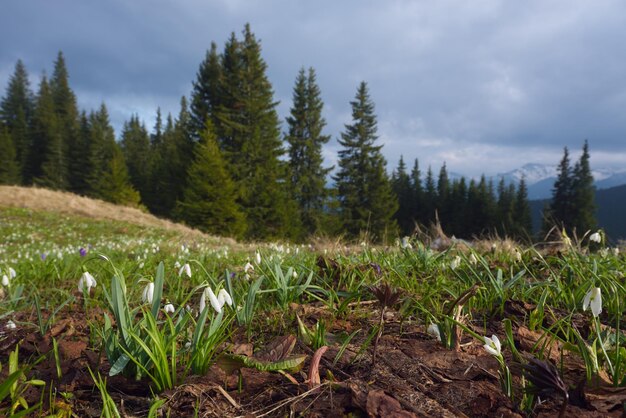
(257, 257)
(215, 303)
(593, 298)
(185, 269)
(5, 280)
(148, 293)
(86, 281)
(616, 251)
(10, 325)
(455, 263)
(492, 346)
(12, 273)
(433, 331)
(472, 259)
(169, 308)
(248, 267)
(595, 237)
(224, 297)
(405, 244)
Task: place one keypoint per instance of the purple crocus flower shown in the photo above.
(376, 268)
(44, 256)
(82, 252)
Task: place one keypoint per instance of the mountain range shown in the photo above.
(540, 178)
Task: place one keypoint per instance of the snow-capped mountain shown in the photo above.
(540, 178)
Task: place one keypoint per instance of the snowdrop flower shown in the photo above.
(177, 264)
(224, 297)
(5, 280)
(616, 251)
(248, 267)
(258, 258)
(215, 303)
(456, 262)
(595, 237)
(12, 273)
(472, 259)
(169, 308)
(86, 281)
(10, 325)
(185, 269)
(148, 293)
(593, 298)
(405, 244)
(492, 346)
(433, 331)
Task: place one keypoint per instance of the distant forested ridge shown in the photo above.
(226, 164)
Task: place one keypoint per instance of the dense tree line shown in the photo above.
(223, 165)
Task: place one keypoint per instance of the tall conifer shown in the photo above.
(366, 199)
(583, 193)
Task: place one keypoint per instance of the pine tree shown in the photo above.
(583, 193)
(135, 146)
(101, 152)
(521, 213)
(561, 206)
(206, 92)
(430, 198)
(249, 138)
(367, 202)
(443, 199)
(417, 199)
(66, 112)
(305, 139)
(401, 185)
(9, 168)
(457, 208)
(78, 157)
(505, 206)
(209, 201)
(115, 184)
(16, 111)
(47, 162)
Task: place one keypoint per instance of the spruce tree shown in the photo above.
(366, 199)
(401, 184)
(583, 193)
(115, 186)
(206, 92)
(521, 213)
(505, 206)
(101, 152)
(430, 198)
(417, 194)
(209, 201)
(457, 209)
(16, 111)
(135, 145)
(305, 139)
(249, 137)
(561, 206)
(9, 167)
(47, 163)
(66, 112)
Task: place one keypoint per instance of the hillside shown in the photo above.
(610, 205)
(45, 200)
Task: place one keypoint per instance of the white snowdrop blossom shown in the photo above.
(148, 293)
(455, 263)
(185, 269)
(12, 273)
(86, 281)
(5, 280)
(224, 297)
(492, 346)
(616, 251)
(248, 267)
(433, 331)
(177, 264)
(10, 325)
(595, 237)
(472, 259)
(215, 303)
(294, 275)
(169, 308)
(593, 298)
(258, 258)
(405, 244)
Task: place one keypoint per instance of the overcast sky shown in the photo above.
(485, 86)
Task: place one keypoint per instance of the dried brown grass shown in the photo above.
(67, 203)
